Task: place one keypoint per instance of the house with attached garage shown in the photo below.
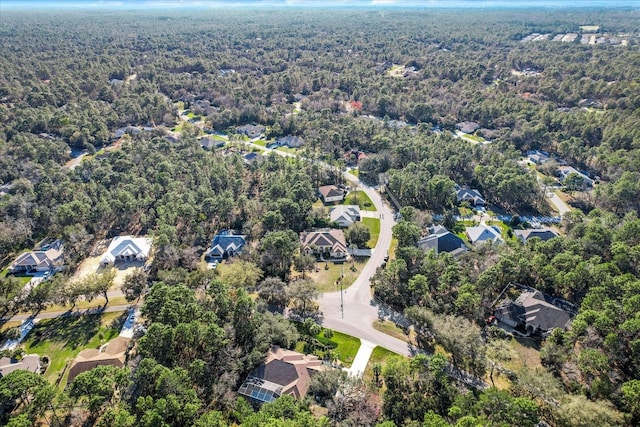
(534, 313)
(442, 240)
(467, 127)
(49, 257)
(127, 249)
(224, 245)
(291, 141)
(466, 194)
(540, 233)
(331, 193)
(252, 131)
(345, 215)
(327, 244)
(483, 233)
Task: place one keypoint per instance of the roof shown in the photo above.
(466, 193)
(42, 258)
(468, 127)
(442, 240)
(566, 170)
(291, 140)
(253, 129)
(535, 309)
(482, 233)
(208, 143)
(113, 353)
(127, 246)
(346, 213)
(322, 238)
(284, 372)
(224, 242)
(29, 362)
(330, 191)
(541, 233)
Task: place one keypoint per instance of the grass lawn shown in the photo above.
(393, 248)
(342, 345)
(474, 137)
(354, 172)
(373, 224)
(362, 199)
(62, 338)
(287, 149)
(260, 142)
(379, 355)
(325, 280)
(391, 329)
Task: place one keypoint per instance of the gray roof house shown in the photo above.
(224, 245)
(442, 240)
(483, 233)
(345, 215)
(534, 312)
(468, 127)
(48, 258)
(291, 141)
(251, 131)
(538, 157)
(469, 195)
(565, 171)
(29, 362)
(540, 233)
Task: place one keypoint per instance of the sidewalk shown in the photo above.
(362, 358)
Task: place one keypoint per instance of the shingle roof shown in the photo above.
(334, 238)
(330, 191)
(482, 233)
(224, 242)
(533, 308)
(542, 234)
(442, 240)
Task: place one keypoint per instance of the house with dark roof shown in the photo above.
(113, 353)
(466, 194)
(467, 127)
(483, 233)
(249, 158)
(331, 193)
(533, 312)
(538, 157)
(324, 244)
(48, 258)
(224, 245)
(29, 362)
(127, 249)
(442, 240)
(285, 372)
(540, 233)
(251, 131)
(345, 215)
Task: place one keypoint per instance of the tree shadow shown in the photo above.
(72, 331)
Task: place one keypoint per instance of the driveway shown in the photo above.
(560, 205)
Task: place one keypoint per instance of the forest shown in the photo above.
(69, 80)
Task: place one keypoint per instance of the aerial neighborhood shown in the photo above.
(377, 214)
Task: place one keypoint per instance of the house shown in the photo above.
(540, 233)
(49, 258)
(29, 362)
(127, 249)
(538, 157)
(324, 244)
(442, 240)
(534, 312)
(129, 130)
(331, 193)
(466, 194)
(354, 156)
(114, 353)
(483, 233)
(208, 143)
(249, 158)
(290, 141)
(252, 131)
(285, 372)
(467, 127)
(345, 215)
(565, 171)
(224, 245)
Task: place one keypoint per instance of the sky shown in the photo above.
(212, 4)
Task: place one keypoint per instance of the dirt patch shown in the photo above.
(92, 265)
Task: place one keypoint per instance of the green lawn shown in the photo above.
(342, 345)
(62, 338)
(474, 137)
(287, 150)
(373, 224)
(361, 199)
(379, 355)
(354, 172)
(325, 280)
(260, 142)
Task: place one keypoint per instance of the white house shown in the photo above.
(345, 215)
(469, 195)
(565, 171)
(127, 249)
(482, 233)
